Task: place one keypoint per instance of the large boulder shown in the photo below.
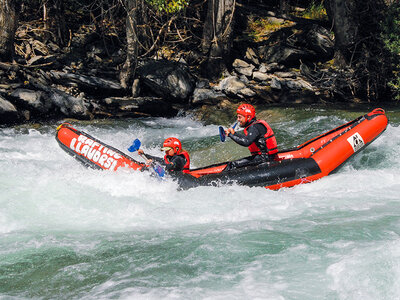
(8, 112)
(68, 105)
(203, 95)
(168, 79)
(290, 46)
(287, 55)
(35, 101)
(243, 67)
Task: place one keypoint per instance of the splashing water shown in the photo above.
(67, 232)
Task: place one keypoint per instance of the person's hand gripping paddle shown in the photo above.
(222, 134)
(156, 167)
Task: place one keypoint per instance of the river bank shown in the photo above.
(292, 64)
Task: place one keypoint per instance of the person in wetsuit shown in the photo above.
(258, 137)
(175, 160)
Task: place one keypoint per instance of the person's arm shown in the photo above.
(177, 162)
(153, 158)
(246, 140)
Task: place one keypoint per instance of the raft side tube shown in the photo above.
(92, 152)
(265, 174)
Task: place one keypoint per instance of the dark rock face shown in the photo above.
(140, 106)
(168, 79)
(68, 105)
(291, 46)
(35, 101)
(90, 84)
(319, 40)
(287, 55)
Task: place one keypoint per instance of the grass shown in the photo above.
(316, 11)
(260, 28)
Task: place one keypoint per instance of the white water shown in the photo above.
(127, 235)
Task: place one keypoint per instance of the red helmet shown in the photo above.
(246, 110)
(172, 143)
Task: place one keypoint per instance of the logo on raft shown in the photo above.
(95, 152)
(356, 141)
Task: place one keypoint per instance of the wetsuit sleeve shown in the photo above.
(253, 134)
(156, 159)
(177, 162)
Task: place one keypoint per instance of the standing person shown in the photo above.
(176, 159)
(258, 137)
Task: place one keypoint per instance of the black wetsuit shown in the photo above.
(177, 162)
(255, 132)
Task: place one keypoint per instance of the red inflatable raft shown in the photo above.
(310, 161)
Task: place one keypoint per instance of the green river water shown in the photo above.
(67, 232)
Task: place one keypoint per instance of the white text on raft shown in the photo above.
(95, 152)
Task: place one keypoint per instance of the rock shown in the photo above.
(231, 85)
(285, 74)
(168, 79)
(291, 84)
(276, 84)
(259, 76)
(272, 67)
(243, 67)
(205, 95)
(202, 83)
(89, 84)
(247, 92)
(291, 45)
(150, 106)
(68, 105)
(244, 79)
(32, 100)
(275, 20)
(8, 112)
(252, 56)
(288, 55)
(298, 84)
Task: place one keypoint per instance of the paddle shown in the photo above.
(222, 135)
(156, 167)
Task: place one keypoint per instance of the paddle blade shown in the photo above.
(135, 146)
(222, 135)
(159, 170)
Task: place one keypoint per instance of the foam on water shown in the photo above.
(69, 232)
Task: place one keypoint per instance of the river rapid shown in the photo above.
(68, 232)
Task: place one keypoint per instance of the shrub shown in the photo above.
(391, 37)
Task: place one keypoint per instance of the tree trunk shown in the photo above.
(217, 36)
(8, 26)
(54, 18)
(359, 45)
(128, 70)
(60, 23)
(344, 20)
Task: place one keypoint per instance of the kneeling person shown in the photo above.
(176, 159)
(258, 137)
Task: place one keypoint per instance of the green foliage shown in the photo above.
(169, 6)
(260, 28)
(391, 37)
(316, 11)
